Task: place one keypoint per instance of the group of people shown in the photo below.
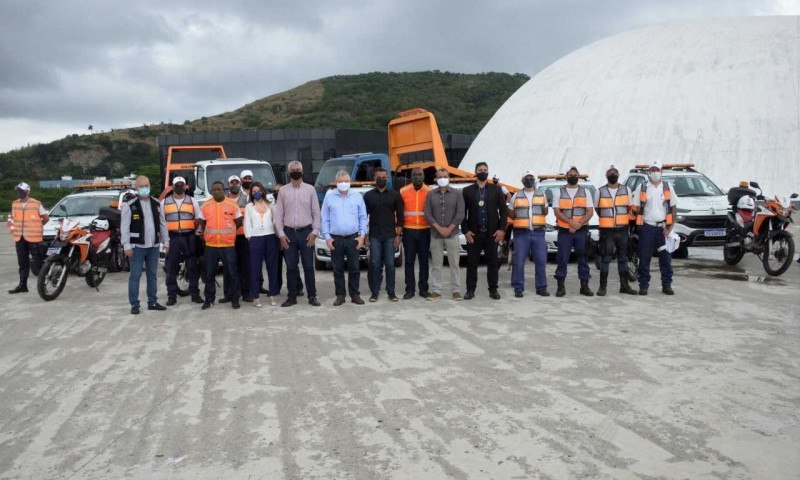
(244, 230)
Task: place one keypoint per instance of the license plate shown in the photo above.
(53, 250)
(714, 232)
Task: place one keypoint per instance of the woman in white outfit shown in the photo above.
(259, 228)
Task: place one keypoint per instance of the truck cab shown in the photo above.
(360, 166)
(206, 172)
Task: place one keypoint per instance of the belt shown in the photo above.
(483, 229)
(298, 228)
(534, 229)
(352, 235)
(181, 234)
(662, 223)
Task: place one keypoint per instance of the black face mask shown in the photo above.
(218, 196)
(234, 190)
(22, 193)
(296, 175)
(247, 185)
(417, 181)
(572, 179)
(482, 176)
(179, 189)
(381, 182)
(612, 179)
(528, 183)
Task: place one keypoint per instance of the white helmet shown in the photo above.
(746, 203)
(100, 224)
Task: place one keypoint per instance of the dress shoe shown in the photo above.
(171, 301)
(518, 294)
(642, 290)
(393, 297)
(667, 290)
(314, 302)
(134, 310)
(357, 300)
(373, 298)
(469, 295)
(263, 291)
(206, 305)
(422, 294)
(197, 299)
(339, 300)
(21, 288)
(289, 302)
(224, 300)
(408, 296)
(156, 306)
(235, 303)
(494, 295)
(543, 293)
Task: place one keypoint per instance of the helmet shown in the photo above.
(746, 203)
(100, 224)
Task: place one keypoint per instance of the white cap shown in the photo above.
(655, 164)
(24, 186)
(495, 177)
(529, 173)
(178, 179)
(234, 177)
(246, 173)
(612, 167)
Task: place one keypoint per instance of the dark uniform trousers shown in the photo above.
(182, 246)
(483, 242)
(614, 241)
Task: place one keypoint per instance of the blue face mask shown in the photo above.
(258, 195)
(144, 191)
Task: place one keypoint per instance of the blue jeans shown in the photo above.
(381, 254)
(264, 249)
(529, 243)
(566, 242)
(650, 239)
(148, 258)
(296, 251)
(211, 258)
(417, 243)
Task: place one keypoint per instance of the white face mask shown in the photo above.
(343, 186)
(655, 176)
(443, 182)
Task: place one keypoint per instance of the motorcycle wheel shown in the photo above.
(94, 279)
(52, 277)
(778, 254)
(118, 258)
(732, 255)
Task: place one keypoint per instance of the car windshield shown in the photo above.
(549, 190)
(692, 186)
(329, 170)
(220, 172)
(81, 205)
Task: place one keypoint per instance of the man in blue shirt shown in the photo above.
(344, 226)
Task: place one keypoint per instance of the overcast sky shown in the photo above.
(67, 64)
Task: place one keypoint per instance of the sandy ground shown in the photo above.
(700, 385)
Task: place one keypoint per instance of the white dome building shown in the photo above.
(723, 94)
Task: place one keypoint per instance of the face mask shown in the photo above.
(295, 175)
(218, 196)
(572, 180)
(417, 182)
(655, 176)
(528, 183)
(258, 195)
(443, 182)
(381, 182)
(343, 186)
(247, 185)
(22, 193)
(234, 189)
(612, 179)
(482, 176)
(179, 189)
(495, 181)
(144, 191)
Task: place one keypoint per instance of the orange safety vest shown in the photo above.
(220, 222)
(27, 221)
(179, 219)
(529, 215)
(643, 201)
(613, 212)
(571, 207)
(414, 206)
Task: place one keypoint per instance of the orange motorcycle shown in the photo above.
(85, 252)
(759, 225)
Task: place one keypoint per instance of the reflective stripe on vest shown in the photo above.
(613, 211)
(527, 215)
(27, 221)
(179, 219)
(220, 222)
(414, 206)
(643, 201)
(571, 207)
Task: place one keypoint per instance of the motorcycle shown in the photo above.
(758, 225)
(85, 252)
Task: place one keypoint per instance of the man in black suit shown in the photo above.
(484, 226)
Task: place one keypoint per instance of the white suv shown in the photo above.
(702, 208)
(548, 184)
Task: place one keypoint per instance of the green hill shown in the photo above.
(462, 103)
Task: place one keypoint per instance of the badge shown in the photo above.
(480, 204)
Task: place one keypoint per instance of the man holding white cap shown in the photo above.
(29, 218)
(529, 211)
(247, 182)
(655, 215)
(181, 214)
(236, 194)
(613, 203)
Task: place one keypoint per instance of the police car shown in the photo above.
(549, 184)
(84, 205)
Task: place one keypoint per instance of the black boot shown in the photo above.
(585, 291)
(624, 287)
(21, 288)
(560, 291)
(601, 292)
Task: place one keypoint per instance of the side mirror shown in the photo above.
(754, 184)
(62, 207)
(794, 195)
